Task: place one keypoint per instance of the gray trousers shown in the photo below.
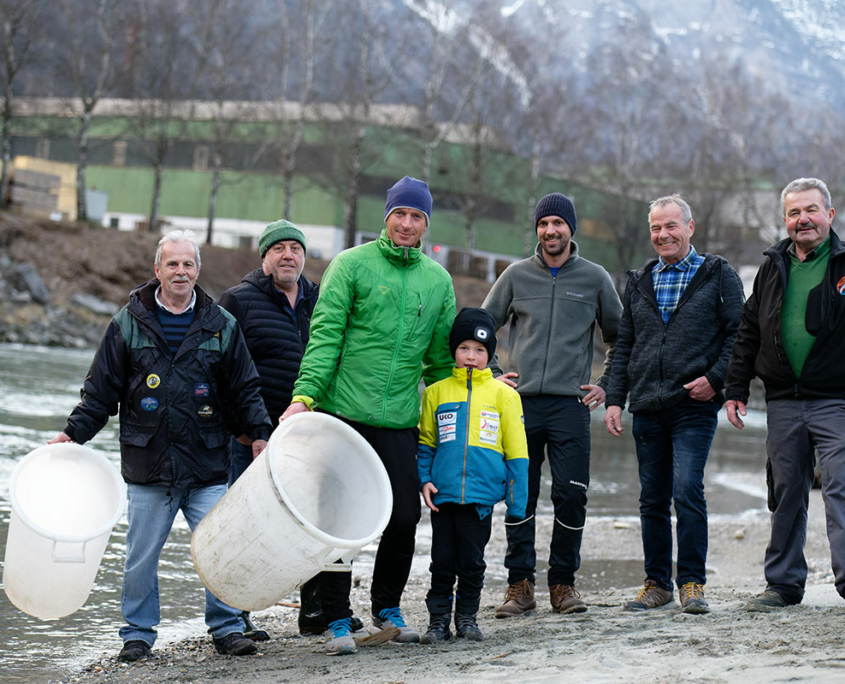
(797, 428)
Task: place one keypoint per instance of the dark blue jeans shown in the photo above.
(672, 450)
(240, 456)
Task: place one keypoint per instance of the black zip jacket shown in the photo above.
(276, 342)
(654, 360)
(758, 350)
(173, 408)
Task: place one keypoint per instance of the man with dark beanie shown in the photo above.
(382, 322)
(679, 323)
(553, 301)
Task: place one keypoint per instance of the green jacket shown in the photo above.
(381, 323)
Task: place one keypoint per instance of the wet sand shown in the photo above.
(799, 643)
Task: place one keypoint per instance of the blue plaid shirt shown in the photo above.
(670, 281)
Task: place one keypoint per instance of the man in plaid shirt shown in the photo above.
(680, 318)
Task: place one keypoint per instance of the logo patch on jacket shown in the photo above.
(447, 418)
(205, 411)
(488, 427)
(153, 381)
(149, 403)
(840, 287)
(201, 389)
(447, 433)
(384, 289)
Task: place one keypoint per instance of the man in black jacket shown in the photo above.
(679, 321)
(792, 336)
(176, 367)
(273, 305)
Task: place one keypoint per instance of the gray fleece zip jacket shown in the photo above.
(653, 360)
(553, 322)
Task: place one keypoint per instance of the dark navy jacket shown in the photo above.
(276, 341)
(175, 411)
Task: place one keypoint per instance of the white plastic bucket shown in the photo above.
(66, 499)
(317, 493)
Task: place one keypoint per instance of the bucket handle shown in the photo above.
(343, 562)
(57, 558)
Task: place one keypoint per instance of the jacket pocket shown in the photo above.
(213, 437)
(136, 435)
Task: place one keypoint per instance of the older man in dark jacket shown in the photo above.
(792, 336)
(273, 305)
(680, 317)
(176, 367)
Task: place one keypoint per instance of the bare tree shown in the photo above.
(233, 66)
(630, 149)
(451, 68)
(485, 151)
(85, 61)
(364, 74)
(171, 47)
(21, 24)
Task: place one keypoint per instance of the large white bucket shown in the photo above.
(317, 493)
(65, 500)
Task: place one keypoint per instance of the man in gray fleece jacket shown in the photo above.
(679, 323)
(553, 301)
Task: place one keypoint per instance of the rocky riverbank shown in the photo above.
(61, 282)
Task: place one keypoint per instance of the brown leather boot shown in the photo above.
(519, 599)
(565, 599)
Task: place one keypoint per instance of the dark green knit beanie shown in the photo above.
(278, 231)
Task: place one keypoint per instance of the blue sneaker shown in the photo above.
(339, 639)
(392, 617)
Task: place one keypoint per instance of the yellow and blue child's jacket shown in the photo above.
(472, 441)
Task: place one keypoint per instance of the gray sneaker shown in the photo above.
(650, 596)
(339, 639)
(766, 601)
(392, 617)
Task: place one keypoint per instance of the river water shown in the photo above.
(38, 389)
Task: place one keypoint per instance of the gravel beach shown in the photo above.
(799, 643)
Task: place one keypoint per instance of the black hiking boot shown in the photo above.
(438, 628)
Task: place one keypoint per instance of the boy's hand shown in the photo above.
(427, 490)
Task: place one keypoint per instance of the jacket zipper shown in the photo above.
(398, 342)
(549, 335)
(466, 439)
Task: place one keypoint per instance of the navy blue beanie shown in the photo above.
(556, 204)
(409, 193)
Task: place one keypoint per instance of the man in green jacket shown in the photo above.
(382, 322)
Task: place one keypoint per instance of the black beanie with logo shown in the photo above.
(473, 324)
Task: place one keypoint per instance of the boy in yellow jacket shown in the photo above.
(472, 454)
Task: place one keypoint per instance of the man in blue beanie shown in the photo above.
(381, 323)
(553, 300)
